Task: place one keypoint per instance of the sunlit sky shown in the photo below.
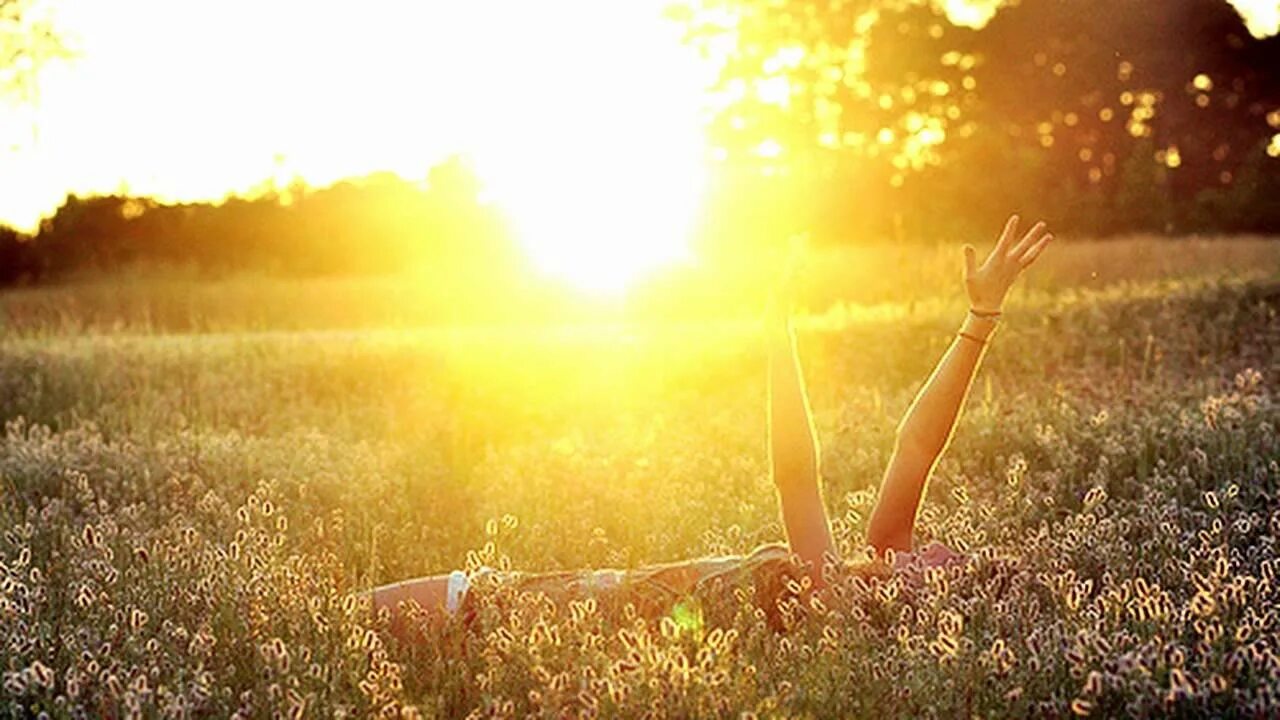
(583, 118)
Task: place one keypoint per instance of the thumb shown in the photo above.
(970, 261)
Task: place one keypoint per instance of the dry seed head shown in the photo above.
(1093, 683)
(42, 674)
(1081, 707)
(1095, 496)
(1203, 604)
(14, 684)
(945, 646)
(1211, 499)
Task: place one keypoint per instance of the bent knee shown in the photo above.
(886, 536)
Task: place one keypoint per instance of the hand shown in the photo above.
(988, 283)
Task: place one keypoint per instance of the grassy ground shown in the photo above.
(186, 514)
(866, 277)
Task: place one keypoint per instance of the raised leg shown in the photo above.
(793, 449)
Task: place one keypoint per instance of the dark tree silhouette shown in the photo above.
(1110, 115)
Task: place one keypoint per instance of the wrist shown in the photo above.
(985, 299)
(980, 327)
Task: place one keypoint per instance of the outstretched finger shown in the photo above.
(1030, 239)
(970, 261)
(1034, 252)
(1006, 237)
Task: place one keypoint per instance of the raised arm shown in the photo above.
(793, 448)
(926, 428)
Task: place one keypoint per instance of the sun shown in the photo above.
(603, 173)
(595, 216)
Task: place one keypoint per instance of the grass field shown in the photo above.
(195, 478)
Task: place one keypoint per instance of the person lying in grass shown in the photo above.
(809, 560)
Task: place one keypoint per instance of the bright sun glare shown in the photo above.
(582, 118)
(605, 173)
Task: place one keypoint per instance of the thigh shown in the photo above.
(430, 593)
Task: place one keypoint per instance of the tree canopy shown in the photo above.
(882, 116)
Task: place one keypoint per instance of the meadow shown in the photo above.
(199, 476)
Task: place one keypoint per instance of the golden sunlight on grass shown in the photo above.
(190, 518)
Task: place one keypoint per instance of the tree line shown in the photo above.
(371, 225)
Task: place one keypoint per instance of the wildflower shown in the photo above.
(1095, 496)
(945, 646)
(1081, 707)
(1180, 682)
(42, 674)
(1203, 604)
